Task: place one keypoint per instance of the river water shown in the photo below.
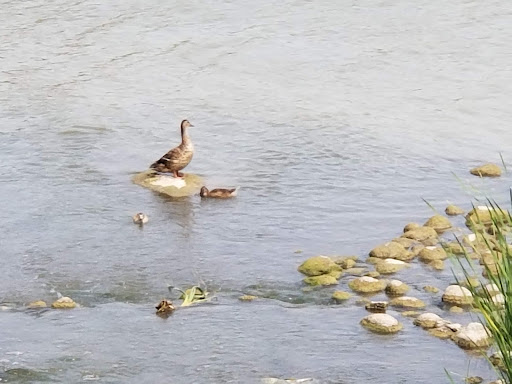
(335, 118)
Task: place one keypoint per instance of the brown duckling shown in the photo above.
(219, 193)
(140, 218)
(177, 158)
(165, 307)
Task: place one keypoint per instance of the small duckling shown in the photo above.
(140, 218)
(165, 307)
(219, 193)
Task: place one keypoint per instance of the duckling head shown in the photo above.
(185, 124)
(204, 192)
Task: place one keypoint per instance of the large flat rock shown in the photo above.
(188, 185)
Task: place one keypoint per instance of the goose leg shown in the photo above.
(180, 174)
(175, 173)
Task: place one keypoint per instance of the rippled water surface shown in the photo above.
(335, 118)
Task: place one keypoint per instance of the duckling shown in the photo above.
(177, 158)
(219, 193)
(140, 218)
(165, 307)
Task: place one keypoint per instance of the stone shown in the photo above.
(373, 274)
(455, 309)
(453, 210)
(486, 170)
(455, 294)
(483, 215)
(335, 274)
(492, 289)
(472, 336)
(376, 306)
(430, 242)
(441, 332)
(410, 313)
(322, 280)
(407, 302)
(341, 296)
(498, 299)
(437, 265)
(64, 303)
(388, 266)
(356, 271)
(366, 284)
(407, 243)
(247, 298)
(391, 250)
(429, 254)
(381, 323)
(430, 289)
(37, 304)
(345, 262)
(421, 234)
(410, 226)
(474, 380)
(454, 248)
(396, 288)
(439, 223)
(427, 320)
(168, 185)
(318, 265)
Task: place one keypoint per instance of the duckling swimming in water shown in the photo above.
(140, 218)
(177, 158)
(219, 193)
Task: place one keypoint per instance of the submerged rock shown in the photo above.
(437, 265)
(341, 296)
(381, 323)
(376, 306)
(373, 274)
(407, 302)
(484, 215)
(37, 304)
(421, 234)
(188, 185)
(396, 288)
(427, 320)
(391, 250)
(356, 271)
(366, 284)
(247, 298)
(439, 223)
(453, 210)
(455, 294)
(345, 262)
(486, 170)
(454, 248)
(429, 254)
(388, 266)
(64, 303)
(474, 335)
(318, 265)
(430, 289)
(275, 380)
(321, 280)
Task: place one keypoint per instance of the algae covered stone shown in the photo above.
(407, 302)
(341, 296)
(396, 288)
(37, 304)
(486, 170)
(439, 223)
(429, 254)
(376, 306)
(410, 226)
(455, 294)
(318, 265)
(391, 250)
(421, 234)
(381, 323)
(247, 298)
(388, 266)
(366, 284)
(430, 289)
(437, 265)
(427, 320)
(321, 280)
(472, 336)
(484, 215)
(64, 303)
(453, 210)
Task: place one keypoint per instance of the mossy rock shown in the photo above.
(410, 226)
(429, 254)
(341, 296)
(356, 271)
(441, 332)
(345, 262)
(421, 234)
(37, 304)
(455, 309)
(407, 302)
(427, 320)
(453, 210)
(486, 170)
(454, 248)
(472, 336)
(168, 185)
(406, 243)
(410, 313)
(391, 250)
(318, 265)
(381, 323)
(397, 288)
(376, 306)
(455, 294)
(439, 223)
(373, 274)
(389, 266)
(321, 280)
(335, 274)
(438, 265)
(484, 215)
(247, 298)
(64, 303)
(367, 284)
(430, 289)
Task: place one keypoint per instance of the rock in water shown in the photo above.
(455, 294)
(474, 335)
(486, 170)
(169, 185)
(381, 323)
(318, 265)
(64, 303)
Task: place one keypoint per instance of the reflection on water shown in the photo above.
(335, 120)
